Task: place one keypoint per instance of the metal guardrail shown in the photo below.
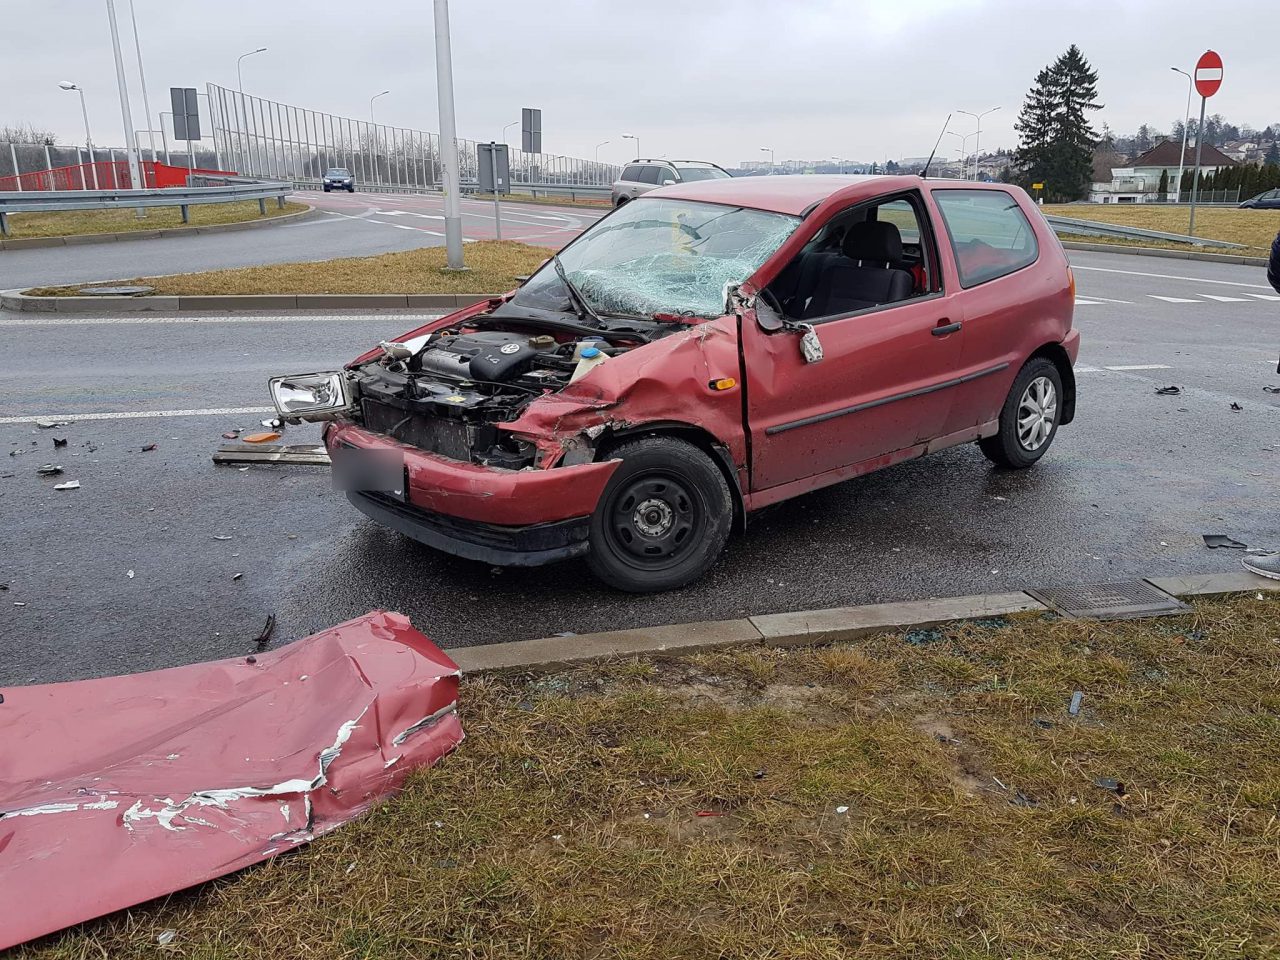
(38, 201)
(573, 191)
(1094, 228)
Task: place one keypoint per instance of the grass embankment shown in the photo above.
(493, 266)
(917, 796)
(69, 223)
(1254, 228)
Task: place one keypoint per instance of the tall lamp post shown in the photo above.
(628, 136)
(373, 129)
(142, 79)
(769, 150)
(964, 150)
(448, 139)
(977, 143)
(88, 138)
(598, 146)
(244, 114)
(135, 176)
(1186, 123)
(840, 160)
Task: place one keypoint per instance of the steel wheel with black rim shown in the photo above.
(1030, 416)
(663, 519)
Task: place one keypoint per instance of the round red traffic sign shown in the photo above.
(1208, 74)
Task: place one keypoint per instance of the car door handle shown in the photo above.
(943, 328)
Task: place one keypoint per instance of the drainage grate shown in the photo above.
(1109, 601)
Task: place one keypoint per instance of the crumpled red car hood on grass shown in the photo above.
(119, 790)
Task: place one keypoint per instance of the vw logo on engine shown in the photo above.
(510, 347)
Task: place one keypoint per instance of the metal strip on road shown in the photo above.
(138, 414)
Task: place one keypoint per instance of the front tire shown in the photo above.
(1030, 417)
(663, 518)
(326, 189)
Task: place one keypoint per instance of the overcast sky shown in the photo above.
(713, 80)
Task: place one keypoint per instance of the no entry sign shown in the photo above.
(1208, 74)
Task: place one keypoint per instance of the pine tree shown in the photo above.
(1056, 142)
(1164, 183)
(1272, 158)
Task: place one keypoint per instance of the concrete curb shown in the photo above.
(18, 301)
(27, 243)
(802, 628)
(1171, 254)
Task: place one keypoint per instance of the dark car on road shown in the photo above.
(704, 351)
(338, 178)
(640, 176)
(1270, 200)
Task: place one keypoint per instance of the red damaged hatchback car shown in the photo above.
(704, 351)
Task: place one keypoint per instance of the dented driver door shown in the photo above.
(880, 387)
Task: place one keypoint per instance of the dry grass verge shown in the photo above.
(68, 223)
(493, 266)
(917, 796)
(1254, 228)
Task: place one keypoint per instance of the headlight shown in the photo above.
(311, 396)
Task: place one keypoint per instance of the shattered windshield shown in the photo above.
(661, 256)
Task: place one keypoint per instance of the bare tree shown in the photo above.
(26, 133)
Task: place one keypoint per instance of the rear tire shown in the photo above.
(351, 189)
(663, 518)
(326, 189)
(1030, 416)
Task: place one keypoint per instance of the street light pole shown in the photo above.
(135, 178)
(1186, 122)
(507, 127)
(448, 139)
(88, 138)
(373, 129)
(977, 143)
(628, 136)
(840, 160)
(964, 149)
(164, 136)
(142, 79)
(770, 152)
(244, 114)
(598, 146)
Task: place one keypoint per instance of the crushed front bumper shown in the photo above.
(503, 517)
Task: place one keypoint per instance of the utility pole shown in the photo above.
(448, 139)
(125, 114)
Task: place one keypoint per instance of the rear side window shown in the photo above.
(990, 234)
(632, 173)
(649, 174)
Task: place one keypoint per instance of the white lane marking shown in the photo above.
(1155, 296)
(1081, 302)
(1088, 370)
(1220, 299)
(141, 414)
(1166, 276)
(1262, 296)
(1106, 299)
(37, 321)
(1142, 366)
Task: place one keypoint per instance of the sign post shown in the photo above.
(1208, 78)
(186, 120)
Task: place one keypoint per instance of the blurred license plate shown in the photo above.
(369, 471)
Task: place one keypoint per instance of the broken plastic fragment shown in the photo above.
(59, 442)
(1169, 391)
(1076, 699)
(149, 447)
(1216, 541)
(262, 437)
(48, 423)
(167, 937)
(69, 485)
(842, 809)
(49, 470)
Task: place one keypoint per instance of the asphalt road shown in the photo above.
(349, 225)
(1126, 491)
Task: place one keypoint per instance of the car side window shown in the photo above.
(632, 173)
(666, 173)
(649, 174)
(872, 256)
(990, 235)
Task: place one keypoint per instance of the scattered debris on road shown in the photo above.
(1236, 406)
(1170, 391)
(50, 423)
(1217, 541)
(232, 434)
(1270, 389)
(221, 536)
(183, 785)
(301, 454)
(267, 437)
(1076, 699)
(69, 485)
(59, 442)
(49, 470)
(237, 576)
(264, 636)
(149, 447)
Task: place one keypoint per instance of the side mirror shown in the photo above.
(768, 319)
(667, 183)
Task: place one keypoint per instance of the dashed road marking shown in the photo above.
(140, 414)
(1142, 366)
(1211, 296)
(1156, 296)
(1264, 296)
(1167, 276)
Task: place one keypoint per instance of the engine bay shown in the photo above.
(445, 392)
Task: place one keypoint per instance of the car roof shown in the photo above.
(797, 193)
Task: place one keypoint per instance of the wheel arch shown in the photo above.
(695, 436)
(1057, 355)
